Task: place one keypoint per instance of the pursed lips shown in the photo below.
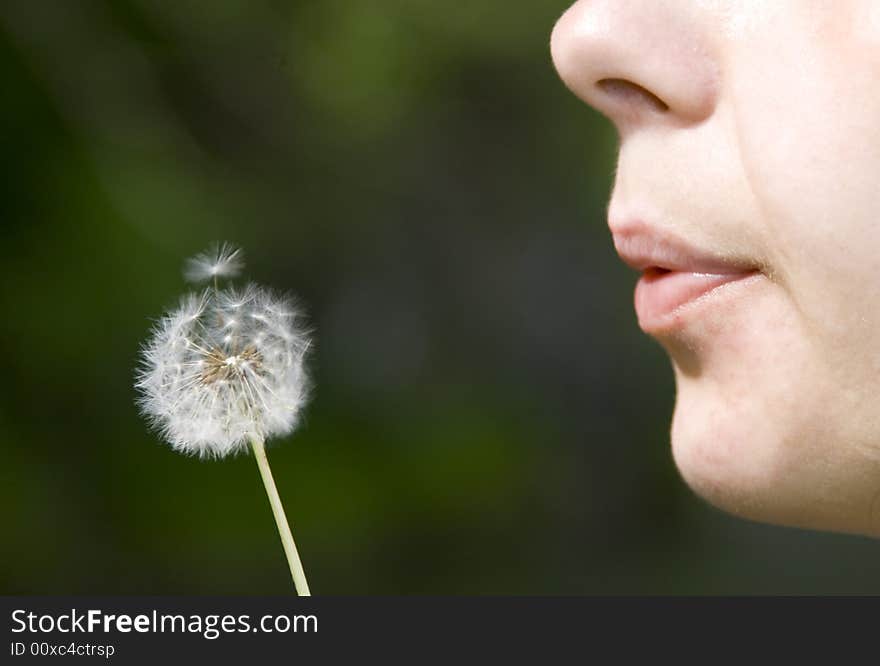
(673, 273)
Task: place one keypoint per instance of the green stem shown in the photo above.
(296, 568)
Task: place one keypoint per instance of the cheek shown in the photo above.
(805, 122)
(806, 125)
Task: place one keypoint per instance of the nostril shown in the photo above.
(631, 93)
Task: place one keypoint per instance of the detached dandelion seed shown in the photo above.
(221, 260)
(224, 371)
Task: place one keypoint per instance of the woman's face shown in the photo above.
(748, 189)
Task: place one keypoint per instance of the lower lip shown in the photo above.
(662, 295)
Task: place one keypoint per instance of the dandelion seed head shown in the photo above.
(223, 367)
(222, 260)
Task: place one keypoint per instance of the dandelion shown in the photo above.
(224, 371)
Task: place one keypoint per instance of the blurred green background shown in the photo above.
(487, 418)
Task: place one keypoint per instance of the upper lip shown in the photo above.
(645, 248)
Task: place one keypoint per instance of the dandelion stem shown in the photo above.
(296, 568)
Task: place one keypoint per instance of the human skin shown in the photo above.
(751, 130)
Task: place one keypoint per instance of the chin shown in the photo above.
(766, 427)
(753, 459)
(726, 459)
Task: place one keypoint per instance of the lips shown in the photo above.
(675, 275)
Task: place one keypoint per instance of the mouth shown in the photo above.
(661, 295)
(677, 279)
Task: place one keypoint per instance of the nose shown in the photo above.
(638, 61)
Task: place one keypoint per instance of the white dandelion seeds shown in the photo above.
(224, 371)
(222, 260)
(223, 367)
